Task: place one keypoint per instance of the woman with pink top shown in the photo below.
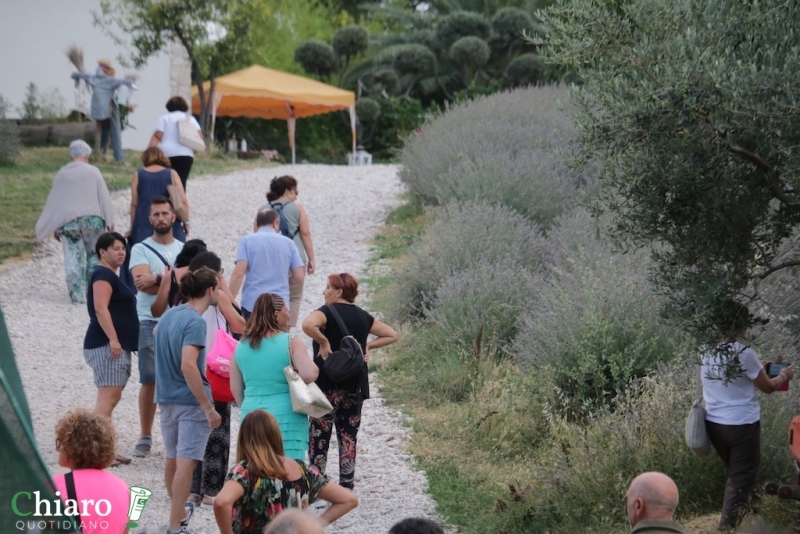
(85, 445)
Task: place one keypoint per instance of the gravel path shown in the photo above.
(346, 205)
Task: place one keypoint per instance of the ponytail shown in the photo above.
(195, 284)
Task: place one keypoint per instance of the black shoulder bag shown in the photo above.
(347, 362)
(72, 495)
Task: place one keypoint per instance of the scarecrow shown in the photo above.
(104, 107)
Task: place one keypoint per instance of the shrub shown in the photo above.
(594, 322)
(498, 148)
(508, 23)
(350, 41)
(471, 51)
(316, 58)
(526, 69)
(458, 24)
(367, 110)
(460, 236)
(10, 144)
(424, 37)
(413, 59)
(482, 301)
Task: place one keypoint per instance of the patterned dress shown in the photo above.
(264, 498)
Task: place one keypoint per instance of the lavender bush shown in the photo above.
(483, 301)
(499, 148)
(462, 235)
(595, 319)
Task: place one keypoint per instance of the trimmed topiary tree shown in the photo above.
(316, 58)
(526, 69)
(460, 24)
(470, 53)
(350, 41)
(508, 25)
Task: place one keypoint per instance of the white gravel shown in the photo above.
(346, 205)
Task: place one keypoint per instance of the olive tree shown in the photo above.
(690, 112)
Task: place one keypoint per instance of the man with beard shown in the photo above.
(148, 260)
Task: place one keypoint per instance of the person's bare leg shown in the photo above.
(169, 474)
(147, 408)
(107, 399)
(181, 487)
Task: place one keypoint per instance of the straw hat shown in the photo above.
(106, 64)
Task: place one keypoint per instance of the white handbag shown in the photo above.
(188, 136)
(307, 399)
(695, 431)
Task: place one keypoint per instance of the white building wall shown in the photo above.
(33, 37)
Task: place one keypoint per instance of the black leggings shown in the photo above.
(183, 166)
(209, 475)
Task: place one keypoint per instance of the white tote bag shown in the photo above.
(307, 399)
(695, 431)
(188, 135)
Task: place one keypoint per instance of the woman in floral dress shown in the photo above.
(264, 482)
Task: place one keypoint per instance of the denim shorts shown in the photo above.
(147, 352)
(185, 431)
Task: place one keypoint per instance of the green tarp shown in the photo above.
(22, 468)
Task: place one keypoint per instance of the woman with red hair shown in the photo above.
(346, 397)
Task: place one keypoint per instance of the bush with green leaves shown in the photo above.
(10, 144)
(413, 59)
(350, 41)
(500, 148)
(463, 235)
(316, 58)
(470, 53)
(367, 110)
(526, 69)
(452, 27)
(594, 320)
(508, 26)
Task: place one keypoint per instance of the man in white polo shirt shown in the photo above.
(263, 262)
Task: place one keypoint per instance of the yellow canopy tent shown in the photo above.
(259, 92)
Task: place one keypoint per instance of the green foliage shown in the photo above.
(450, 28)
(460, 237)
(398, 118)
(367, 110)
(30, 106)
(470, 51)
(413, 59)
(595, 309)
(350, 41)
(10, 144)
(508, 26)
(526, 69)
(316, 58)
(690, 111)
(497, 148)
(424, 37)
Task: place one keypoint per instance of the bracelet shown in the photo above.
(209, 411)
(187, 222)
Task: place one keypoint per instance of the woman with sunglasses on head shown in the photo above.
(282, 195)
(346, 397)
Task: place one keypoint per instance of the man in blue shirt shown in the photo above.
(148, 260)
(182, 390)
(264, 261)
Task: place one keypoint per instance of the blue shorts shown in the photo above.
(185, 431)
(147, 352)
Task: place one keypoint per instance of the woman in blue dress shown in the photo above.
(148, 183)
(256, 375)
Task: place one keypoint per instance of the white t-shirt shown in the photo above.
(169, 142)
(734, 403)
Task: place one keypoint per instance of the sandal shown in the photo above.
(208, 500)
(122, 460)
(194, 498)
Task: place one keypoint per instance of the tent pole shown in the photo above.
(292, 123)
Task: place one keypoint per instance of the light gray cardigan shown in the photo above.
(78, 191)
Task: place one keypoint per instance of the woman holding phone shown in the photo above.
(732, 411)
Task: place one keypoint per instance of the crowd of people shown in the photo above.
(157, 295)
(162, 296)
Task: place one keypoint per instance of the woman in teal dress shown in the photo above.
(257, 379)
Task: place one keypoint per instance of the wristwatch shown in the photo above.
(158, 279)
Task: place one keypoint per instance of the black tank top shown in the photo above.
(359, 323)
